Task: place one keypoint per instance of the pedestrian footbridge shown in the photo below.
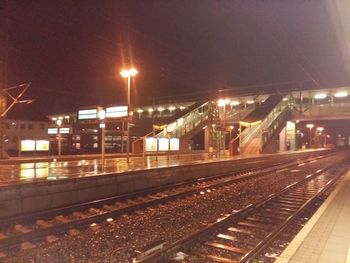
(256, 123)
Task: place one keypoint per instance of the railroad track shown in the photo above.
(242, 235)
(46, 225)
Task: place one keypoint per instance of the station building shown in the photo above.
(19, 128)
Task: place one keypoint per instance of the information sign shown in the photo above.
(27, 145)
(117, 112)
(42, 145)
(174, 144)
(163, 144)
(151, 144)
(88, 114)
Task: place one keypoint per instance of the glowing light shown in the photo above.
(102, 114)
(160, 109)
(234, 103)
(171, 108)
(182, 107)
(125, 73)
(341, 94)
(223, 102)
(320, 96)
(59, 122)
(139, 110)
(250, 101)
(150, 110)
(310, 126)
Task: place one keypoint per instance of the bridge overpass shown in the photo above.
(259, 123)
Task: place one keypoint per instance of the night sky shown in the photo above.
(72, 51)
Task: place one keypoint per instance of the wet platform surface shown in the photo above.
(23, 170)
(326, 236)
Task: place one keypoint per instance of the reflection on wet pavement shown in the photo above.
(57, 170)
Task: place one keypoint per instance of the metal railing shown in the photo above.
(270, 131)
(266, 129)
(186, 123)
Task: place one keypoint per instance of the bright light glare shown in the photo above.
(341, 94)
(234, 103)
(59, 122)
(223, 102)
(250, 101)
(128, 72)
(320, 96)
(309, 126)
(139, 110)
(171, 108)
(102, 114)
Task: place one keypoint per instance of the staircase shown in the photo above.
(262, 126)
(188, 125)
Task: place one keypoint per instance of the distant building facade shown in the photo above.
(17, 130)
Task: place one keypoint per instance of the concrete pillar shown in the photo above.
(207, 142)
(282, 138)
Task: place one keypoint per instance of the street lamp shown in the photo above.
(128, 73)
(310, 126)
(102, 116)
(320, 129)
(59, 123)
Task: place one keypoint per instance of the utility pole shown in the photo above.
(4, 51)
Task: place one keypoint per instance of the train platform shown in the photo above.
(32, 169)
(27, 187)
(326, 236)
(38, 168)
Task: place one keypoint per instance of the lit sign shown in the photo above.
(163, 144)
(87, 114)
(174, 144)
(52, 131)
(117, 112)
(42, 145)
(151, 144)
(27, 145)
(64, 130)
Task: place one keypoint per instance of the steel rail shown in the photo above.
(187, 242)
(79, 223)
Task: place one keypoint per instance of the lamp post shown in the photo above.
(320, 130)
(231, 128)
(59, 123)
(102, 116)
(310, 126)
(128, 73)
